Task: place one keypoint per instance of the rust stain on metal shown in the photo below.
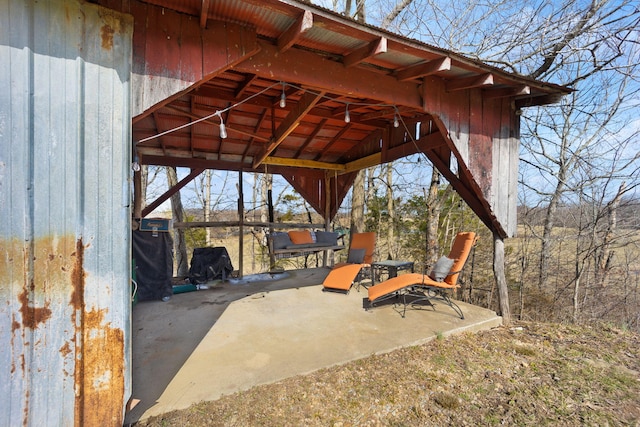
(103, 371)
(77, 277)
(77, 302)
(32, 316)
(106, 33)
(99, 365)
(114, 23)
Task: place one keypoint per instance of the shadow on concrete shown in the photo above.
(202, 345)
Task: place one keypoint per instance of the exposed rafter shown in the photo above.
(371, 49)
(204, 13)
(242, 88)
(507, 92)
(424, 69)
(303, 24)
(308, 100)
(469, 82)
(170, 192)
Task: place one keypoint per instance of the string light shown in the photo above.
(223, 128)
(283, 98)
(282, 103)
(135, 165)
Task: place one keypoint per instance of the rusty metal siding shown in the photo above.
(64, 200)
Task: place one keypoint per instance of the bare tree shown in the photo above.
(179, 244)
(591, 46)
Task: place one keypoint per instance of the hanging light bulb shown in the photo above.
(396, 123)
(283, 98)
(223, 128)
(135, 165)
(347, 117)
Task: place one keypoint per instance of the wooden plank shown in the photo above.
(317, 71)
(303, 24)
(371, 49)
(365, 162)
(288, 125)
(204, 13)
(173, 190)
(424, 69)
(483, 122)
(173, 55)
(469, 82)
(222, 224)
(300, 163)
(508, 92)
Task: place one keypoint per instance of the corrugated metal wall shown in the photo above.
(64, 203)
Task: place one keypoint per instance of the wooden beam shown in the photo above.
(299, 65)
(170, 192)
(311, 137)
(255, 129)
(507, 92)
(245, 85)
(303, 24)
(385, 113)
(371, 49)
(190, 162)
(365, 162)
(300, 163)
(335, 139)
(535, 100)
(424, 69)
(306, 103)
(218, 224)
(469, 82)
(204, 13)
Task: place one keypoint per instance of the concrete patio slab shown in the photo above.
(271, 334)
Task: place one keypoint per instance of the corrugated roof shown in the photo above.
(378, 76)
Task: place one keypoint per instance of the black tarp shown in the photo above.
(210, 264)
(153, 254)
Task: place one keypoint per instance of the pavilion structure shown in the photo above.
(89, 88)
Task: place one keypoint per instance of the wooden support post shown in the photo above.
(498, 271)
(137, 194)
(327, 211)
(272, 257)
(241, 219)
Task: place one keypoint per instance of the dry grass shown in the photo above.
(528, 374)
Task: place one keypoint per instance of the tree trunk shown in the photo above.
(357, 204)
(603, 265)
(432, 248)
(576, 300)
(179, 243)
(391, 240)
(549, 223)
(207, 204)
(501, 281)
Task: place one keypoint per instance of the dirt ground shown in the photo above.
(525, 374)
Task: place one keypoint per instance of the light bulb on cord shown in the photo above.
(283, 98)
(223, 128)
(396, 123)
(347, 117)
(135, 165)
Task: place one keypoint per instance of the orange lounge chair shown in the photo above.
(415, 288)
(344, 274)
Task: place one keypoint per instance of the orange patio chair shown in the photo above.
(358, 265)
(416, 288)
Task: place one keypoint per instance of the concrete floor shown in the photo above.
(257, 330)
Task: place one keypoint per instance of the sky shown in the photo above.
(414, 179)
